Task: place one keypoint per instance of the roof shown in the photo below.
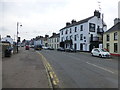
(56, 35)
(116, 27)
(79, 22)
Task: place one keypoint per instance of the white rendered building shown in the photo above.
(53, 41)
(83, 35)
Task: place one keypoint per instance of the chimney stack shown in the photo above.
(46, 36)
(97, 13)
(116, 20)
(67, 23)
(73, 21)
(54, 34)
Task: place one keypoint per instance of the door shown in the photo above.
(75, 46)
(81, 47)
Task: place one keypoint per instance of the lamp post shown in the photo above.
(18, 33)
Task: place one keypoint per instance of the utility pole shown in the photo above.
(17, 34)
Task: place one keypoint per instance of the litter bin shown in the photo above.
(7, 52)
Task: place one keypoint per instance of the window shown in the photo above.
(81, 28)
(66, 32)
(71, 37)
(62, 32)
(70, 30)
(75, 29)
(115, 47)
(75, 37)
(115, 36)
(62, 39)
(108, 37)
(57, 39)
(91, 27)
(67, 38)
(84, 37)
(57, 45)
(81, 36)
(96, 50)
(107, 46)
(98, 28)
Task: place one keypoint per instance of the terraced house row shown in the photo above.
(86, 34)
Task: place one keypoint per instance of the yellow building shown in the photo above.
(111, 40)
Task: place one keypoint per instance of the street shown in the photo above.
(73, 70)
(81, 70)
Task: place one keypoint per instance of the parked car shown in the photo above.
(22, 45)
(31, 46)
(50, 48)
(70, 50)
(8, 51)
(60, 49)
(27, 47)
(45, 48)
(38, 47)
(100, 52)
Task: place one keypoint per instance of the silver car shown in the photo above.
(100, 52)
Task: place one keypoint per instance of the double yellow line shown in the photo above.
(52, 77)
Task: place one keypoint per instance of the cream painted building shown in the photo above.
(111, 39)
(53, 41)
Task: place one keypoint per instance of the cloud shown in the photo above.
(40, 17)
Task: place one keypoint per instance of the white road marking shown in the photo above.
(100, 67)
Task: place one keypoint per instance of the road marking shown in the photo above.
(100, 67)
(54, 79)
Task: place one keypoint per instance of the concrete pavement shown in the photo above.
(24, 70)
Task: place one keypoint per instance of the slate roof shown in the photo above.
(77, 23)
(56, 35)
(116, 27)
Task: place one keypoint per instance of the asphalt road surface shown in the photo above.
(81, 70)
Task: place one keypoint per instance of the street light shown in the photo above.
(18, 24)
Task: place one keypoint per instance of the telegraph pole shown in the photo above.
(17, 34)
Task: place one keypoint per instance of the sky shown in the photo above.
(41, 17)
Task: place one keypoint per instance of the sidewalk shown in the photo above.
(24, 70)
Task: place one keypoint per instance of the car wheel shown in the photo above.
(92, 54)
(100, 55)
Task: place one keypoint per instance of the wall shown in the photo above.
(111, 42)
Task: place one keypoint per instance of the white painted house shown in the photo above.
(53, 41)
(38, 40)
(83, 35)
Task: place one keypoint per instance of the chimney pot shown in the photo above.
(73, 21)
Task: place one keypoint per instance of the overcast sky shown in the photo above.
(40, 17)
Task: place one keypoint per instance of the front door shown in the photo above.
(75, 46)
(81, 47)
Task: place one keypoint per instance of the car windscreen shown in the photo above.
(103, 50)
